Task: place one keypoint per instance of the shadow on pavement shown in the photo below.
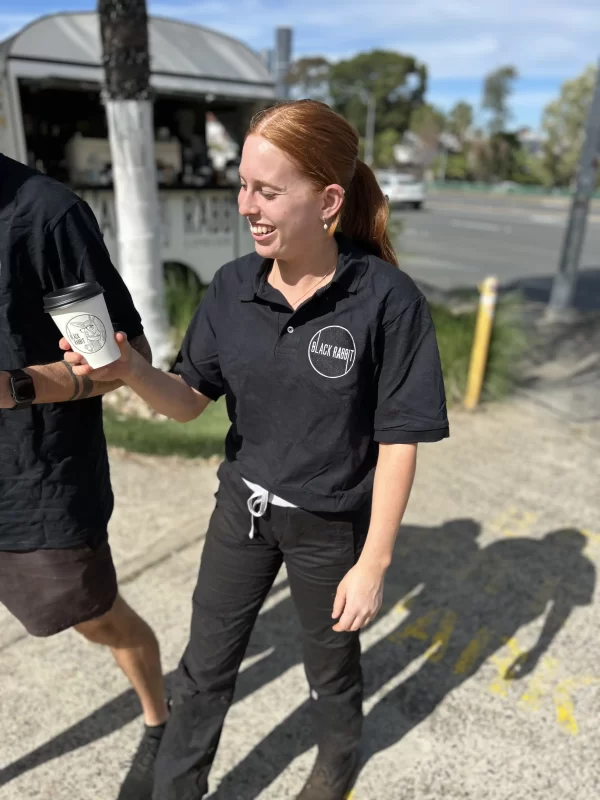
(537, 289)
(469, 602)
(463, 598)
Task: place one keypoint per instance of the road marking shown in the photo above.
(547, 219)
(501, 684)
(441, 638)
(538, 687)
(513, 522)
(472, 225)
(468, 657)
(565, 707)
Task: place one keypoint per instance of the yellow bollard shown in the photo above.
(481, 341)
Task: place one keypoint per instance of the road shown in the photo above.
(457, 240)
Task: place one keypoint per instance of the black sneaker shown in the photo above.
(332, 779)
(139, 782)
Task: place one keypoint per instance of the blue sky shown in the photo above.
(459, 40)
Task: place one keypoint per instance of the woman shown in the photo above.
(327, 356)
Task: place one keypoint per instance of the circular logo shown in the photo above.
(86, 333)
(332, 352)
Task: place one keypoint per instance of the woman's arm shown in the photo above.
(164, 392)
(394, 477)
(359, 595)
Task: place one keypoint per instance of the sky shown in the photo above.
(459, 40)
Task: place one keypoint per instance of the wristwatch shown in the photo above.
(21, 388)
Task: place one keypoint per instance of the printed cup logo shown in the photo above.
(332, 352)
(87, 333)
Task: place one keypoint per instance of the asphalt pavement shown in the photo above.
(495, 570)
(456, 240)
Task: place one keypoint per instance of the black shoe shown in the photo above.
(331, 779)
(139, 782)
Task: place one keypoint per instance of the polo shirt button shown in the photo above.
(290, 329)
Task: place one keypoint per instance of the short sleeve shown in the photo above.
(82, 256)
(411, 400)
(198, 360)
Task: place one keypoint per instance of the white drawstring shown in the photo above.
(257, 505)
(258, 502)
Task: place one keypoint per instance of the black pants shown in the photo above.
(236, 574)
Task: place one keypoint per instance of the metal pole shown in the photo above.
(283, 58)
(563, 289)
(370, 130)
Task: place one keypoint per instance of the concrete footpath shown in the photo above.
(482, 672)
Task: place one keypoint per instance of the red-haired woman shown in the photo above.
(327, 357)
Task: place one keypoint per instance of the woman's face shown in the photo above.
(284, 210)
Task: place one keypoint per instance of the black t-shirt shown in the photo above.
(54, 477)
(311, 392)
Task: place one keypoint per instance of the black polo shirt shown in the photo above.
(311, 392)
(54, 477)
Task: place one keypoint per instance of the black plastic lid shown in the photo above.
(72, 294)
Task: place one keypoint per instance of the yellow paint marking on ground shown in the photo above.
(592, 537)
(470, 655)
(441, 638)
(538, 687)
(500, 685)
(563, 701)
(417, 629)
(514, 522)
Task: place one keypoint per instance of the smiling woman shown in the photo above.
(327, 357)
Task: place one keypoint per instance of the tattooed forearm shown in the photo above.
(87, 387)
(84, 387)
(75, 379)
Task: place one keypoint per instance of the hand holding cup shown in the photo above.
(118, 370)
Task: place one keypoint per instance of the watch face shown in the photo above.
(23, 391)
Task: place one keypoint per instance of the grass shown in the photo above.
(455, 339)
(205, 436)
(202, 438)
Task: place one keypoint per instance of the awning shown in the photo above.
(184, 58)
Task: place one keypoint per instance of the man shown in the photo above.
(56, 569)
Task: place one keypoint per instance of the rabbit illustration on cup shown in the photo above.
(87, 333)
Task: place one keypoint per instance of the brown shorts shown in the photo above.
(49, 591)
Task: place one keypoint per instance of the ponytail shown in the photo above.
(365, 214)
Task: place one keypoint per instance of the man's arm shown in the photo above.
(57, 383)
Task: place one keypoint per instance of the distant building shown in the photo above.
(531, 141)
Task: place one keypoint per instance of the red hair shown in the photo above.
(324, 146)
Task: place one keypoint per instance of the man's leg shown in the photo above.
(330, 547)
(136, 651)
(236, 574)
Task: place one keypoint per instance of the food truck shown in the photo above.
(52, 118)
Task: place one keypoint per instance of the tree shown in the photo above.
(309, 78)
(124, 30)
(460, 120)
(428, 122)
(497, 88)
(563, 125)
(398, 83)
(385, 142)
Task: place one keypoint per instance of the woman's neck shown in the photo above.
(312, 264)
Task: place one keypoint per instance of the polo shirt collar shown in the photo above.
(351, 266)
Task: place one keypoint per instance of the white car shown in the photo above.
(402, 189)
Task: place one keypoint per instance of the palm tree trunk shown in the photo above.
(124, 30)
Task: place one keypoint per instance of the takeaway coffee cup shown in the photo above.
(82, 317)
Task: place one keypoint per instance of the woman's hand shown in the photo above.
(119, 370)
(358, 598)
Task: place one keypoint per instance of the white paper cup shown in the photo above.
(81, 315)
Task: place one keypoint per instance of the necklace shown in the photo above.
(313, 287)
